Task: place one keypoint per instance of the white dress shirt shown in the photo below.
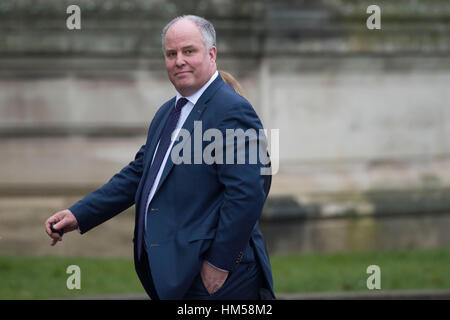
(185, 111)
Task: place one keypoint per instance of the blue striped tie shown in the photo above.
(164, 144)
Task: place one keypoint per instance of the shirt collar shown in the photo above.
(194, 97)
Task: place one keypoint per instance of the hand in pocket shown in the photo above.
(213, 278)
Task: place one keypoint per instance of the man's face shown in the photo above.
(188, 64)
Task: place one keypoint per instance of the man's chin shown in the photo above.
(183, 83)
(185, 89)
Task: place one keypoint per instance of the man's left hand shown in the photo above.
(213, 278)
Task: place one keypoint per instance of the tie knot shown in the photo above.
(180, 104)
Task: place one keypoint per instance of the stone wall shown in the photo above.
(360, 112)
(339, 93)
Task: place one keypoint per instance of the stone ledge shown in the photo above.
(132, 28)
(224, 8)
(362, 204)
(382, 203)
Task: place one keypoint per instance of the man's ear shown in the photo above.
(213, 53)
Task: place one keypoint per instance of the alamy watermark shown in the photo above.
(73, 281)
(231, 146)
(373, 22)
(73, 22)
(374, 280)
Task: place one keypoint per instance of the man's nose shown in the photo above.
(180, 60)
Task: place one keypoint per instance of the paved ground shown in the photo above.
(366, 295)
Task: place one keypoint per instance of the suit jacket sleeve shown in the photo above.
(244, 192)
(115, 196)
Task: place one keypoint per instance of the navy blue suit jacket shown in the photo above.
(199, 211)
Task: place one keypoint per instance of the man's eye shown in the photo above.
(188, 51)
(171, 54)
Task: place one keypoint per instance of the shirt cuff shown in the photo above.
(216, 267)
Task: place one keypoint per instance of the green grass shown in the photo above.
(400, 270)
(45, 277)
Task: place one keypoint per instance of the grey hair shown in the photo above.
(206, 28)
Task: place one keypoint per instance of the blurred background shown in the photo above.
(363, 118)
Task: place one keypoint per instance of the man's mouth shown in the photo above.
(181, 73)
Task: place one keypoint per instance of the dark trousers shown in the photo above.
(145, 275)
(244, 283)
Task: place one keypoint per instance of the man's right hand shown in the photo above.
(64, 220)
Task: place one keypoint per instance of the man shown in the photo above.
(196, 233)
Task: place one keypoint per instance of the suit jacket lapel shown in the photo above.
(153, 142)
(188, 125)
(157, 134)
